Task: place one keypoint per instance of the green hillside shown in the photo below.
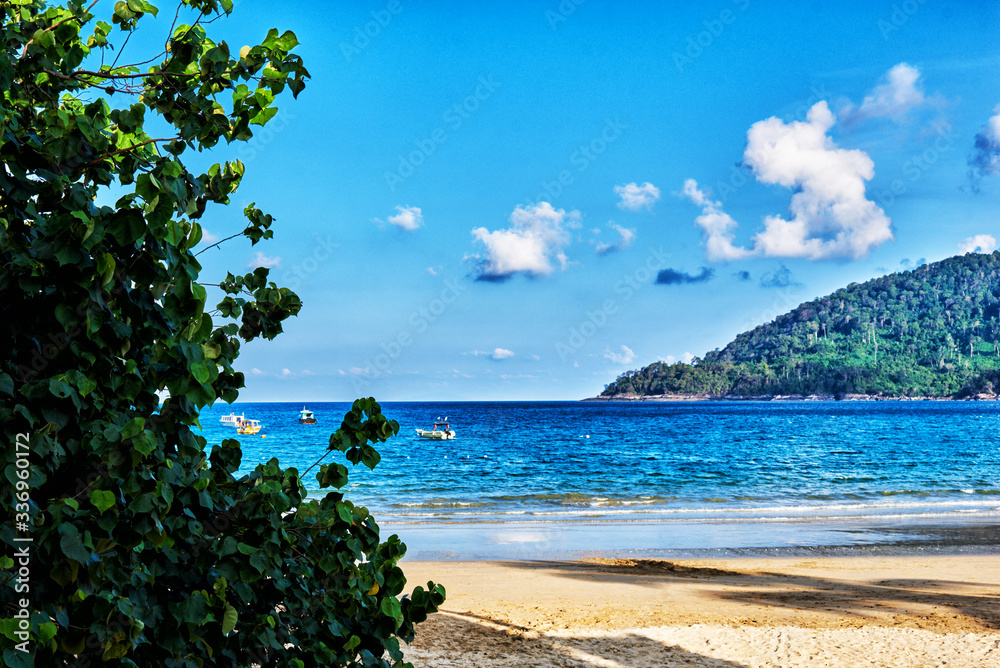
(933, 331)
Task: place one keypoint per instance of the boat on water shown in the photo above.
(232, 419)
(441, 431)
(306, 416)
(248, 427)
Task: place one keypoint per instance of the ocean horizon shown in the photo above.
(526, 478)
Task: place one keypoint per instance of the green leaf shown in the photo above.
(85, 385)
(102, 499)
(287, 41)
(60, 388)
(229, 619)
(263, 116)
(133, 427)
(332, 475)
(12, 658)
(46, 632)
(200, 372)
(370, 456)
(144, 443)
(140, 6)
(193, 611)
(71, 545)
(390, 608)
(272, 41)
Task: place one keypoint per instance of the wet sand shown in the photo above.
(822, 611)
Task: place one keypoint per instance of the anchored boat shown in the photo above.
(232, 419)
(248, 427)
(441, 431)
(306, 417)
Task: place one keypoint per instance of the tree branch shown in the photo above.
(56, 25)
(218, 242)
(126, 150)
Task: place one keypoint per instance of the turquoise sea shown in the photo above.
(545, 479)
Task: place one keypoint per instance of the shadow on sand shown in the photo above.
(979, 601)
(460, 640)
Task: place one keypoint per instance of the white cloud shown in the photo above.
(261, 260)
(625, 239)
(669, 359)
(208, 237)
(624, 357)
(831, 218)
(687, 357)
(985, 158)
(432, 271)
(898, 92)
(993, 125)
(716, 224)
(635, 197)
(286, 372)
(980, 243)
(536, 236)
(255, 371)
(359, 371)
(409, 218)
(501, 354)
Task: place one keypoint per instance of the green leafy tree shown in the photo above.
(145, 549)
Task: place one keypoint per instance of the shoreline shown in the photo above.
(780, 397)
(829, 611)
(828, 538)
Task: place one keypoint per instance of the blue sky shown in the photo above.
(522, 200)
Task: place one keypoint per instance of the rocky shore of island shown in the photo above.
(784, 397)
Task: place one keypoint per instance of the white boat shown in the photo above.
(440, 432)
(306, 417)
(233, 420)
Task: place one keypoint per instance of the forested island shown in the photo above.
(931, 332)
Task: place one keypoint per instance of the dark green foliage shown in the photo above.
(146, 550)
(933, 331)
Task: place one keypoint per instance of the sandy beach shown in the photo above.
(826, 611)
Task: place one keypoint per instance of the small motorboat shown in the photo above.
(441, 431)
(306, 417)
(232, 419)
(248, 427)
